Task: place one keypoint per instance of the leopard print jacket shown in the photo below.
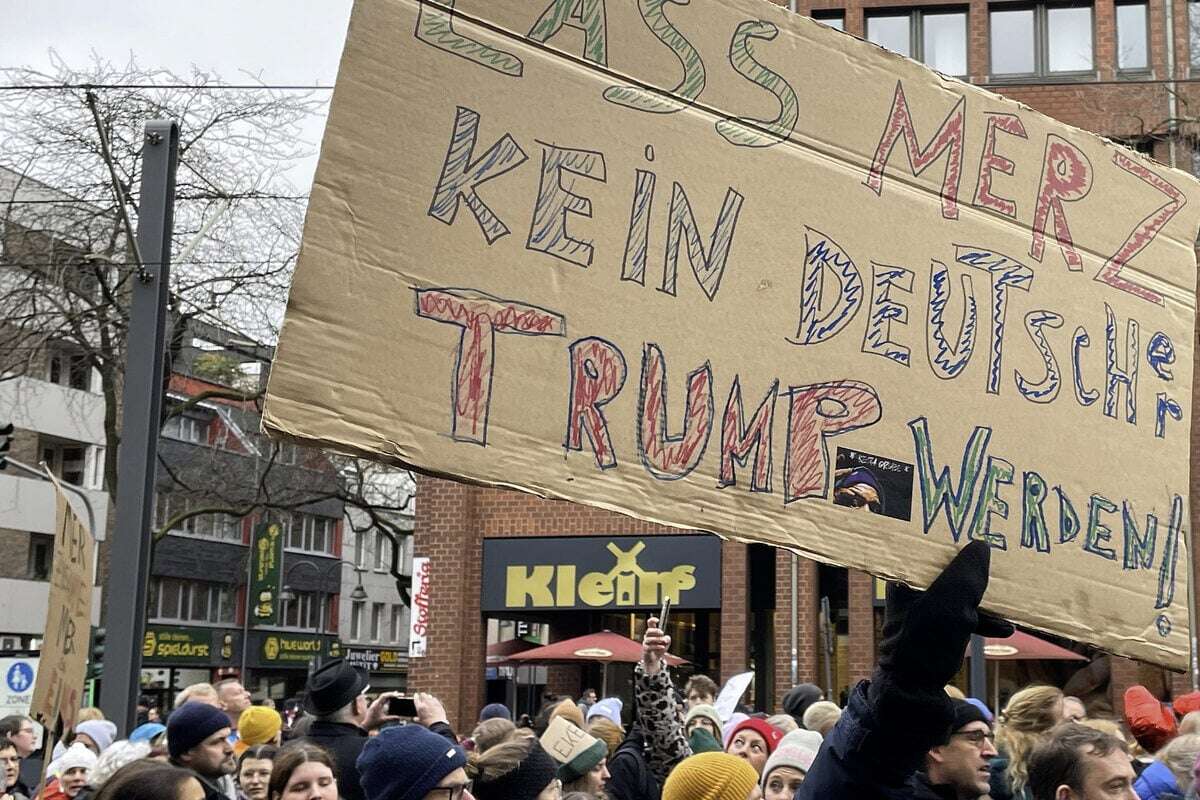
(659, 718)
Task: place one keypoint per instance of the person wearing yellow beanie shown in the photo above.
(257, 725)
(712, 776)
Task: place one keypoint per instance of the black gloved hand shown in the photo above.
(925, 634)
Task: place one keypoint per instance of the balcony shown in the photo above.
(24, 608)
(53, 410)
(28, 505)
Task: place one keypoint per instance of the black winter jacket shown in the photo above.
(630, 776)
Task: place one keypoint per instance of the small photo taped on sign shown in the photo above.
(878, 484)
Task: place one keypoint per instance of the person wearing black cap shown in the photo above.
(958, 768)
(342, 719)
(892, 721)
(198, 740)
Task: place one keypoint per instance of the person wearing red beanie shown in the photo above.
(754, 740)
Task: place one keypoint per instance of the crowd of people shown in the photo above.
(906, 734)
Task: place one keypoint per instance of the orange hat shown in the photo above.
(1152, 723)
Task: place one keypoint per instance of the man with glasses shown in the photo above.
(18, 729)
(958, 769)
(413, 763)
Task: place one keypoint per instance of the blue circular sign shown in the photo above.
(19, 677)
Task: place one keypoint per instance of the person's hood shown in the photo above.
(797, 701)
(1156, 782)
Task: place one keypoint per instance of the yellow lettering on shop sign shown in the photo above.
(625, 585)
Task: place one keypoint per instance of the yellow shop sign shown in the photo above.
(595, 572)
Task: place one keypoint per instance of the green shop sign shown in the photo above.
(266, 570)
(278, 648)
(178, 645)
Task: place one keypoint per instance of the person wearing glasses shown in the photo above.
(960, 768)
(413, 763)
(18, 729)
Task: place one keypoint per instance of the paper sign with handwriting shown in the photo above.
(719, 266)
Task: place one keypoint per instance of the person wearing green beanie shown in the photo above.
(582, 758)
(701, 741)
(712, 776)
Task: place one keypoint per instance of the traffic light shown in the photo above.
(6, 434)
(96, 653)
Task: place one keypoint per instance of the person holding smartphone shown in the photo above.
(343, 719)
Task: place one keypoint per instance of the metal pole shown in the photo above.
(977, 682)
(246, 610)
(1172, 102)
(140, 422)
(795, 622)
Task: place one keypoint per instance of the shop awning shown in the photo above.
(605, 647)
(1026, 647)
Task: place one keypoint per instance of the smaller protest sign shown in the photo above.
(731, 692)
(58, 686)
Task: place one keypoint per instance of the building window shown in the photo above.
(356, 618)
(307, 612)
(383, 552)
(311, 534)
(1133, 36)
(938, 38)
(70, 369)
(834, 19)
(186, 429)
(377, 610)
(1194, 33)
(176, 600)
(211, 526)
(1041, 40)
(41, 556)
(68, 462)
(360, 549)
(398, 633)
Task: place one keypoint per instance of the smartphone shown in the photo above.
(402, 707)
(663, 613)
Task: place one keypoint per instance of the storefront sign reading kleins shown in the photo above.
(601, 572)
(419, 627)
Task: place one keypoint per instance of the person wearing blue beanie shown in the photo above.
(413, 763)
(198, 740)
(495, 711)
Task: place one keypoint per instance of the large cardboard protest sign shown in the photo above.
(58, 692)
(719, 266)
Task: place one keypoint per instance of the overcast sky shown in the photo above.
(283, 41)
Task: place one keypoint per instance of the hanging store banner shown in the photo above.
(419, 613)
(62, 667)
(266, 572)
(648, 257)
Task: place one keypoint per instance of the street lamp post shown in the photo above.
(288, 594)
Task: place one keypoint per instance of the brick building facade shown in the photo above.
(1103, 66)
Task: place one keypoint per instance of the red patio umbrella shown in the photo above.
(1026, 647)
(499, 654)
(605, 648)
(1021, 647)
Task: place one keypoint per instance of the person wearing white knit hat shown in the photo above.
(73, 769)
(787, 766)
